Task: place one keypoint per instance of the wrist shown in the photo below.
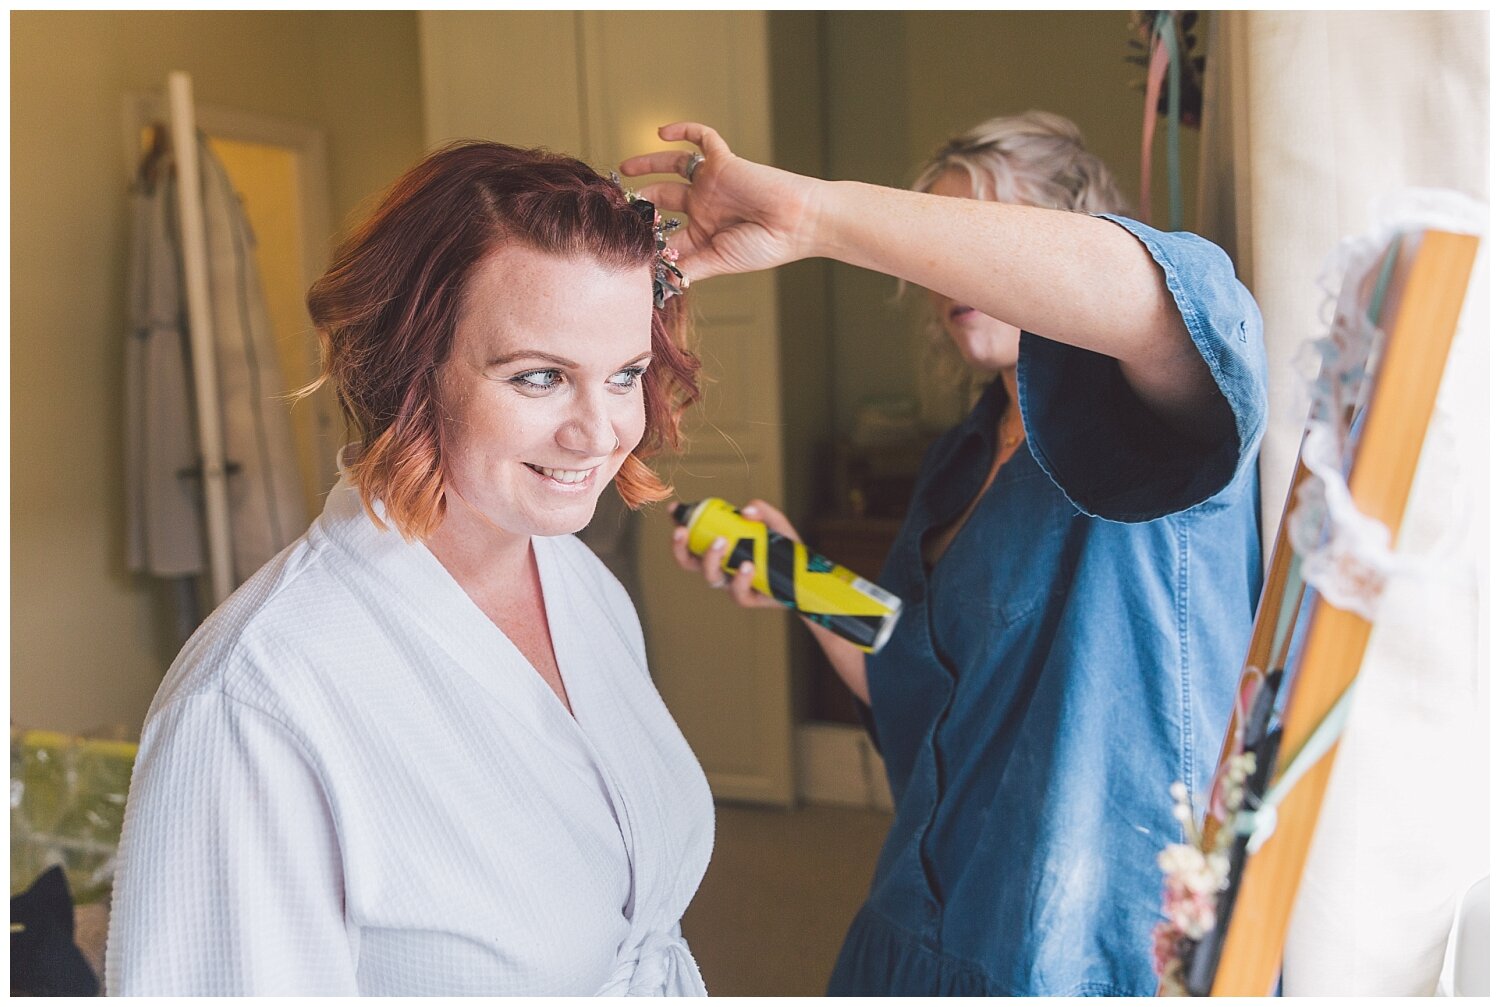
(819, 212)
(841, 209)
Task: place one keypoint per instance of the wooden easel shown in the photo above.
(1419, 317)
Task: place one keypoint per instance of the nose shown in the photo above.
(590, 430)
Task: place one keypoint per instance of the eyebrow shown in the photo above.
(552, 358)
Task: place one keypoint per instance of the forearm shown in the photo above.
(1065, 276)
(848, 660)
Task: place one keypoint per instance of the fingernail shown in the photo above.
(750, 510)
(719, 543)
(746, 566)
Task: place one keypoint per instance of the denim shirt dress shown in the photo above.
(1072, 654)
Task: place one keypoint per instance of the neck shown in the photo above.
(476, 551)
(1010, 420)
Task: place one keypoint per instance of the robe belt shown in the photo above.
(660, 964)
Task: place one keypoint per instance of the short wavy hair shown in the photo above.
(1035, 159)
(387, 307)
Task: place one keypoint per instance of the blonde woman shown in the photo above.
(1080, 561)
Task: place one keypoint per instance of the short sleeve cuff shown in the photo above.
(1112, 456)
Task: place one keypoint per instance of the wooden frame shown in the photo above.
(1420, 315)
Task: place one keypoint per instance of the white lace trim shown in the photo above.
(1347, 555)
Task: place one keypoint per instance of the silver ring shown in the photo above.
(692, 165)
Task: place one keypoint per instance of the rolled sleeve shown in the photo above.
(1110, 454)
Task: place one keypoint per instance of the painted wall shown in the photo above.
(89, 642)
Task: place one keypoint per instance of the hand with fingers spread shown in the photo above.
(742, 216)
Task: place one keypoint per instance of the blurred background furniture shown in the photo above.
(67, 804)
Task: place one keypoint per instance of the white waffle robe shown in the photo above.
(352, 782)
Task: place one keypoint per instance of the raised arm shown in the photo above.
(1064, 276)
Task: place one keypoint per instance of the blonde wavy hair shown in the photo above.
(1036, 159)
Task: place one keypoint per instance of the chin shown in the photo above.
(989, 361)
(990, 354)
(564, 520)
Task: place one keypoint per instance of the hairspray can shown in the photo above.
(830, 595)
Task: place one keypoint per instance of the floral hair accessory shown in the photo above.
(667, 281)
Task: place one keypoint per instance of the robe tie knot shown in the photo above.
(660, 964)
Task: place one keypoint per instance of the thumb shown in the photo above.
(699, 262)
(759, 510)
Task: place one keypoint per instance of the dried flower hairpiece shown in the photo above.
(667, 281)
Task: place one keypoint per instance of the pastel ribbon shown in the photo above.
(1260, 823)
(1163, 65)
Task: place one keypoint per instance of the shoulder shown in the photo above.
(1178, 252)
(268, 642)
(1200, 275)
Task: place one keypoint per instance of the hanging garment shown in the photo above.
(351, 781)
(164, 524)
(165, 535)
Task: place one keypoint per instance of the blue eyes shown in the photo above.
(546, 379)
(538, 380)
(627, 378)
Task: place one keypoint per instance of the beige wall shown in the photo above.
(89, 642)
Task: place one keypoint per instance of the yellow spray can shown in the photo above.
(830, 595)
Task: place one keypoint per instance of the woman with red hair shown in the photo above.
(419, 752)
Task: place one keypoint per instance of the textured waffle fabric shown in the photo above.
(352, 782)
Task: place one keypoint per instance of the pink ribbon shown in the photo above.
(1156, 75)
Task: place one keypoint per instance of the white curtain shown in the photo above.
(1311, 117)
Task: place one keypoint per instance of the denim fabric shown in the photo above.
(1073, 653)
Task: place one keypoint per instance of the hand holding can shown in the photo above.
(830, 595)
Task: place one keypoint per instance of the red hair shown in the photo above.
(387, 306)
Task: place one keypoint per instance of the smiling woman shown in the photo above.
(421, 745)
(542, 392)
